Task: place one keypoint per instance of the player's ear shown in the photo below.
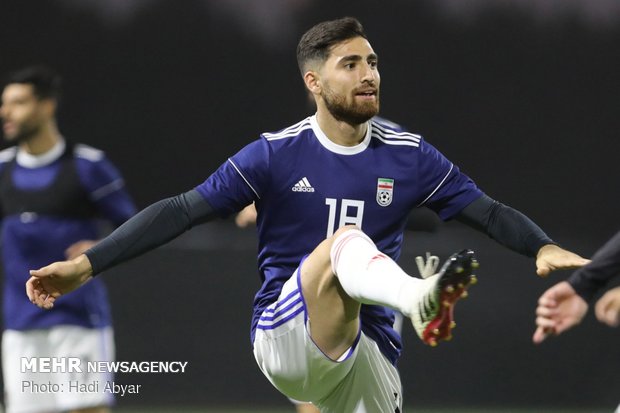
(48, 106)
(313, 82)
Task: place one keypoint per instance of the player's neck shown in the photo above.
(43, 141)
(339, 132)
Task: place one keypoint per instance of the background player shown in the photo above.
(51, 192)
(321, 331)
(565, 304)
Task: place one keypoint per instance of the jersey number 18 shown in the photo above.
(351, 213)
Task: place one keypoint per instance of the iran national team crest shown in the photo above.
(385, 189)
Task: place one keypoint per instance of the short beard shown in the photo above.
(24, 135)
(353, 114)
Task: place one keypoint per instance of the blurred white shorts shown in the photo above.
(34, 392)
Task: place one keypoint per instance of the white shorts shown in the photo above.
(361, 381)
(35, 392)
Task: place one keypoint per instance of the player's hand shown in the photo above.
(48, 283)
(551, 257)
(246, 217)
(607, 308)
(78, 248)
(559, 308)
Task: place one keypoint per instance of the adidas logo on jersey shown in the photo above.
(303, 186)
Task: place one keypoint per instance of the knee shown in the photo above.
(343, 230)
(324, 258)
(336, 242)
(350, 236)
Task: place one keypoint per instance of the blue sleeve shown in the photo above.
(106, 189)
(448, 189)
(241, 180)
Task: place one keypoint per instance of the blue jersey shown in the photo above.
(47, 203)
(306, 186)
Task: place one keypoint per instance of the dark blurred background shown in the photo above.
(522, 95)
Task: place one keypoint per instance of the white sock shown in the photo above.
(369, 276)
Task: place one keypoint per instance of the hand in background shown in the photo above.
(78, 248)
(559, 309)
(607, 308)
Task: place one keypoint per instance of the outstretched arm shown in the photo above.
(152, 227)
(516, 231)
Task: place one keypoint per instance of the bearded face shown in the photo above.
(356, 107)
(20, 132)
(349, 81)
(21, 112)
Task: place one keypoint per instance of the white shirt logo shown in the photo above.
(303, 186)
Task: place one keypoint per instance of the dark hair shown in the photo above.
(45, 82)
(316, 43)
